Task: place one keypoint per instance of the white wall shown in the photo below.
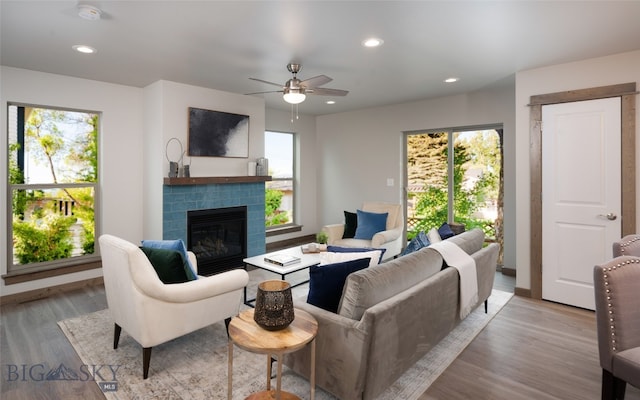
(120, 152)
(167, 111)
(135, 127)
(306, 202)
(349, 156)
(603, 71)
(360, 150)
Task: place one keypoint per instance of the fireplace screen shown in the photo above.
(218, 238)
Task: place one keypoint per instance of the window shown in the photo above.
(279, 149)
(455, 176)
(53, 184)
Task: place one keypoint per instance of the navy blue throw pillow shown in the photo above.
(445, 231)
(341, 249)
(327, 281)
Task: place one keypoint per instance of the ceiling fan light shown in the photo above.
(294, 97)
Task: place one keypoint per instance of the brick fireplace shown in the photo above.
(181, 195)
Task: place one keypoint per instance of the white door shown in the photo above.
(580, 196)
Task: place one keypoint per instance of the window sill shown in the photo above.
(27, 276)
(283, 230)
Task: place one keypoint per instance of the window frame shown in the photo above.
(449, 133)
(286, 228)
(76, 262)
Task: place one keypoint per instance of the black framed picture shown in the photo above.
(218, 134)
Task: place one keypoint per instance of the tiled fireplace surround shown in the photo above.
(180, 198)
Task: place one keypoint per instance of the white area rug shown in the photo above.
(195, 366)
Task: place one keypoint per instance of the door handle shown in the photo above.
(610, 216)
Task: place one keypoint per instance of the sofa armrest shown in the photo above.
(486, 259)
(334, 232)
(341, 353)
(383, 237)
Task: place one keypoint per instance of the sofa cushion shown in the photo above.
(366, 288)
(350, 225)
(326, 282)
(421, 240)
(369, 224)
(369, 287)
(626, 364)
(329, 257)
(469, 241)
(177, 245)
(341, 249)
(170, 266)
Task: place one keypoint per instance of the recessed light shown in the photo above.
(330, 102)
(81, 48)
(451, 80)
(88, 12)
(372, 42)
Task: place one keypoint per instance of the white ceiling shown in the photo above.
(220, 44)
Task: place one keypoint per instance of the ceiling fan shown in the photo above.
(295, 90)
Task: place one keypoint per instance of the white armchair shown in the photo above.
(389, 239)
(152, 312)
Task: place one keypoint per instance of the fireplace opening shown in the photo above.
(218, 238)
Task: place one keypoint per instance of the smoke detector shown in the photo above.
(88, 12)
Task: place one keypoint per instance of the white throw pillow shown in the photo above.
(434, 236)
(328, 257)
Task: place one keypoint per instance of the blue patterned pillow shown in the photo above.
(327, 281)
(177, 245)
(421, 240)
(369, 224)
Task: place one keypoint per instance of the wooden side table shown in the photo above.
(249, 336)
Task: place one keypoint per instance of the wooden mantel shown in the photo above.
(207, 180)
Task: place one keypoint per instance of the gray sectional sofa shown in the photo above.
(390, 315)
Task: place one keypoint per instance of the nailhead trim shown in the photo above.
(628, 243)
(610, 295)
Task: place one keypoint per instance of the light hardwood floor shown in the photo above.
(530, 350)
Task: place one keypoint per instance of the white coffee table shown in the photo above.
(306, 260)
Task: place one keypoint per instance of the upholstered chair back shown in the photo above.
(394, 219)
(617, 284)
(627, 246)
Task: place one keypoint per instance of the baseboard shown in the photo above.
(522, 292)
(38, 294)
(508, 271)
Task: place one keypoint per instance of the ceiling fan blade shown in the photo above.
(315, 81)
(267, 82)
(270, 91)
(328, 92)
